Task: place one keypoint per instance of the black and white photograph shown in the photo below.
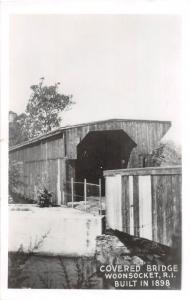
(94, 152)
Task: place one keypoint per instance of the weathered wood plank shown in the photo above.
(177, 206)
(166, 191)
(131, 204)
(157, 200)
(125, 204)
(154, 208)
(145, 133)
(113, 203)
(160, 191)
(136, 204)
(169, 212)
(145, 171)
(145, 207)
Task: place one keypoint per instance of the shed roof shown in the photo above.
(62, 129)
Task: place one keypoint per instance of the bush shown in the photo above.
(167, 154)
(45, 198)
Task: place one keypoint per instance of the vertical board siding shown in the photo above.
(114, 206)
(145, 207)
(150, 203)
(118, 204)
(42, 166)
(40, 156)
(154, 209)
(136, 204)
(162, 191)
(169, 212)
(176, 192)
(125, 207)
(131, 205)
(166, 189)
(145, 134)
(159, 196)
(58, 182)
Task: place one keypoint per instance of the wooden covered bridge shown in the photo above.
(84, 151)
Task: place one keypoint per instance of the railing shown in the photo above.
(84, 195)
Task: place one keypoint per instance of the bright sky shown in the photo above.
(115, 66)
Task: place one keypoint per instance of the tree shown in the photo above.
(43, 108)
(41, 114)
(167, 154)
(16, 134)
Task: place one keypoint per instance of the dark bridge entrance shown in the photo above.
(102, 150)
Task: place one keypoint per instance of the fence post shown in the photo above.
(100, 195)
(72, 194)
(85, 193)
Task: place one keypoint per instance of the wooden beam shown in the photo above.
(145, 171)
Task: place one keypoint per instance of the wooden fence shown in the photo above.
(145, 202)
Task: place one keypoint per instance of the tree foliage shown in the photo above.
(167, 154)
(41, 114)
(43, 108)
(16, 133)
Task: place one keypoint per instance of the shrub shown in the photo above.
(45, 198)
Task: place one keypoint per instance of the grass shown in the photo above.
(17, 265)
(78, 273)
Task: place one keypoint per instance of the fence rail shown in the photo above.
(84, 195)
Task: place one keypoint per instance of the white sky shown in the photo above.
(114, 65)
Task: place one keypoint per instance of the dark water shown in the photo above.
(49, 272)
(38, 272)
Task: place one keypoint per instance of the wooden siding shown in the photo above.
(145, 134)
(125, 205)
(43, 165)
(53, 155)
(156, 202)
(136, 204)
(113, 187)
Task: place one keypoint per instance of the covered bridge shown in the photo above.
(84, 151)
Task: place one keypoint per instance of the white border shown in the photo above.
(93, 7)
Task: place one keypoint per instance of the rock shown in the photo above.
(137, 261)
(109, 250)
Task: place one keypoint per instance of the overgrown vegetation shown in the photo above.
(16, 183)
(45, 198)
(24, 273)
(18, 261)
(78, 275)
(15, 177)
(85, 278)
(167, 154)
(41, 196)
